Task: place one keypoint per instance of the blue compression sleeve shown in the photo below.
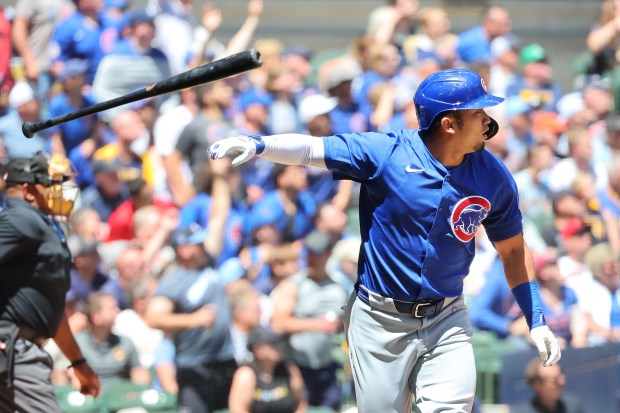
(260, 144)
(528, 299)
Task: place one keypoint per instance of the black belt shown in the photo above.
(29, 334)
(417, 309)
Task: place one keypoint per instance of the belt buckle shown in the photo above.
(416, 308)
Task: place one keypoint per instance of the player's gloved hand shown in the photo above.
(243, 147)
(547, 345)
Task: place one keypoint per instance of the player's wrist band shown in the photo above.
(527, 298)
(77, 363)
(260, 143)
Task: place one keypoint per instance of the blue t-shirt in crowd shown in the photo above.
(13, 139)
(76, 131)
(126, 48)
(494, 308)
(348, 119)
(473, 45)
(560, 321)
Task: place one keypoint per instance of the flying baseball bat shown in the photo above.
(219, 69)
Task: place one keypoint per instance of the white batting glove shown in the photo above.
(242, 146)
(547, 345)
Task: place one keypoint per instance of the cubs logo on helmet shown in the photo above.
(467, 216)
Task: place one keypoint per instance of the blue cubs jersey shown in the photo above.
(77, 37)
(418, 218)
(78, 130)
(198, 209)
(269, 210)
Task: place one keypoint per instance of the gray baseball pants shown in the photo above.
(394, 356)
(32, 389)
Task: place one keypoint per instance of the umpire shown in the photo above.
(34, 278)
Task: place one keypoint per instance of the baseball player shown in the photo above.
(424, 195)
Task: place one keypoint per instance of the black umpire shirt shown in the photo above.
(35, 265)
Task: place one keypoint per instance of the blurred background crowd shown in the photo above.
(279, 244)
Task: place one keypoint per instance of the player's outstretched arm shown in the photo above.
(288, 149)
(519, 270)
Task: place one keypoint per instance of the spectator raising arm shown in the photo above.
(241, 39)
(220, 207)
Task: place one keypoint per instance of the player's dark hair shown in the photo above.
(456, 114)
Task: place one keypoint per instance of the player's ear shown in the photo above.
(448, 124)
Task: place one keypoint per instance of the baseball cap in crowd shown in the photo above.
(596, 82)
(546, 121)
(262, 335)
(103, 165)
(503, 44)
(116, 4)
(298, 50)
(140, 15)
(532, 53)
(190, 234)
(318, 242)
(20, 93)
(343, 72)
(315, 105)
(515, 105)
(253, 97)
(210, 54)
(261, 217)
(33, 170)
(348, 249)
(569, 105)
(544, 259)
(142, 103)
(73, 67)
(79, 246)
(572, 227)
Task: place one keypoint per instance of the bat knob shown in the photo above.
(27, 129)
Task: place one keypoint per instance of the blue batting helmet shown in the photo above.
(453, 89)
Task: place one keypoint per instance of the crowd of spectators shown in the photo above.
(185, 268)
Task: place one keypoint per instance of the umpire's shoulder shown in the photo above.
(25, 220)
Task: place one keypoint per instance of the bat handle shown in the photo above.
(28, 129)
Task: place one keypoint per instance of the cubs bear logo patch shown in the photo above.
(467, 216)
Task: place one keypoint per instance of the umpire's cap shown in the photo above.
(453, 89)
(34, 170)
